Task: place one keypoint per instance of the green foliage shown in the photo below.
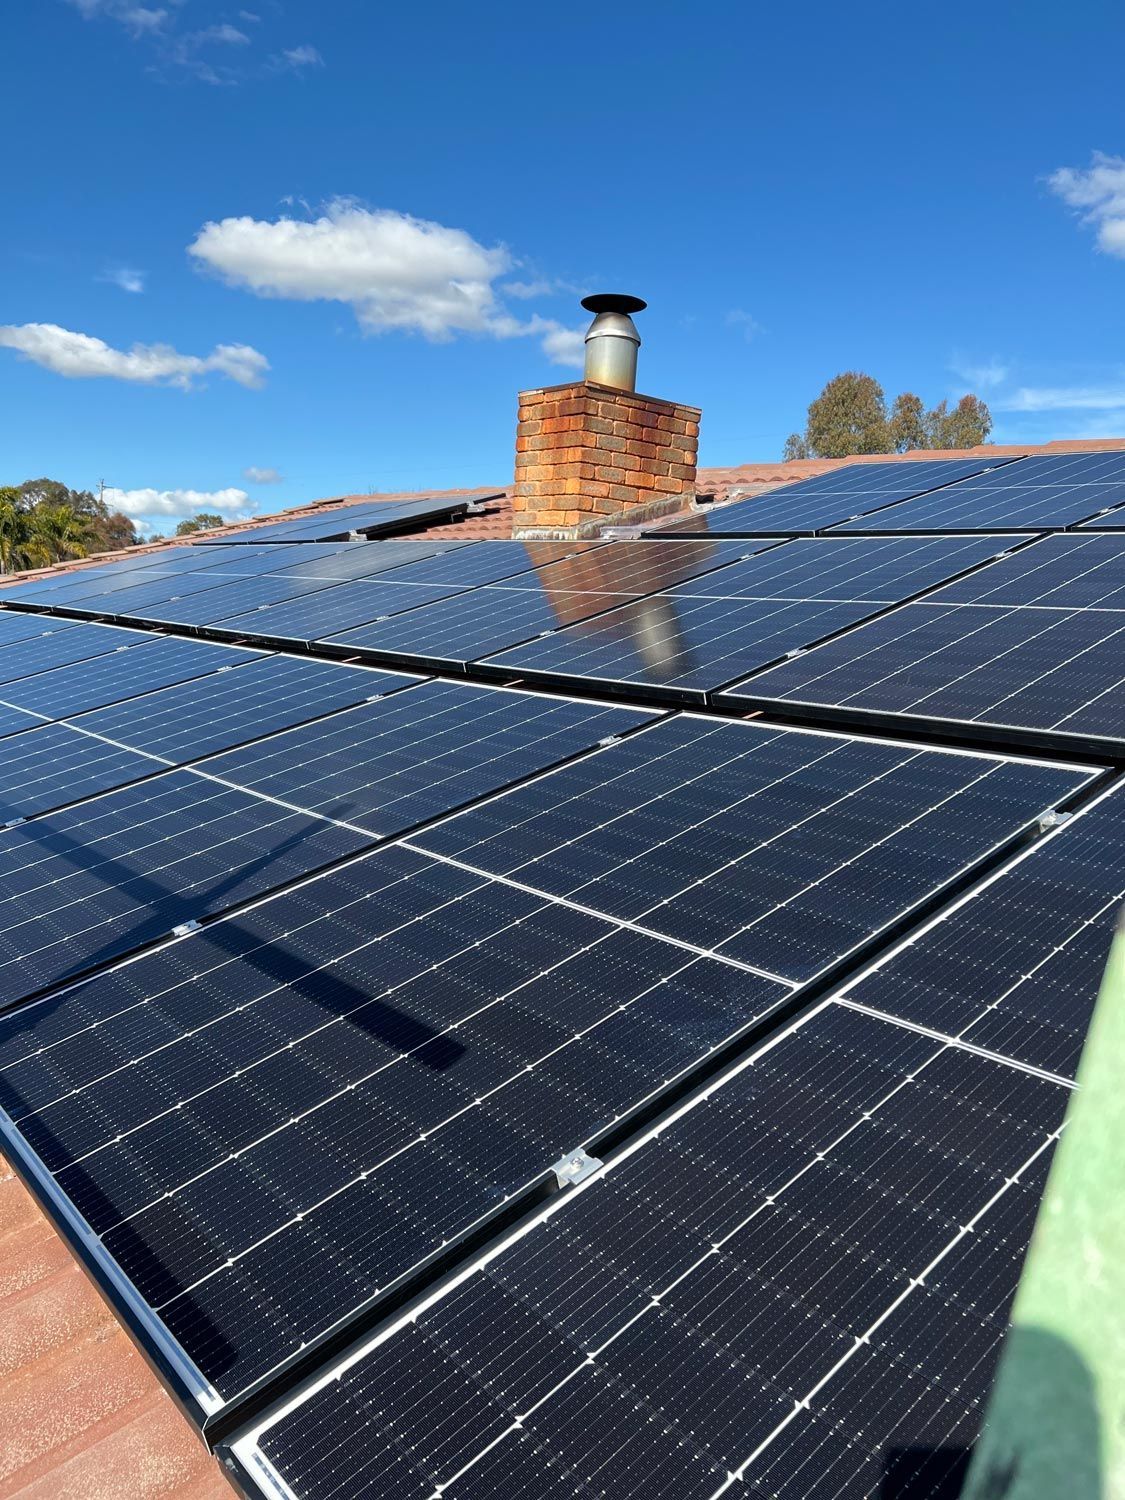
(42, 521)
(204, 521)
(849, 417)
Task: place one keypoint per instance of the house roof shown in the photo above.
(81, 1413)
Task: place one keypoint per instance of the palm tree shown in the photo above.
(14, 531)
(57, 532)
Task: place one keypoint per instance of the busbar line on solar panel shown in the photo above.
(1038, 676)
(691, 641)
(812, 505)
(682, 829)
(705, 1291)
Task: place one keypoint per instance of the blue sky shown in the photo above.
(329, 242)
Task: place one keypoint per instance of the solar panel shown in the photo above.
(127, 602)
(52, 765)
(738, 1306)
(361, 559)
(1015, 966)
(691, 640)
(85, 885)
(1071, 570)
(435, 1077)
(226, 597)
(1036, 675)
(13, 720)
(810, 505)
(469, 567)
(1047, 492)
(158, 662)
(59, 647)
(20, 627)
(341, 522)
(781, 848)
(488, 619)
(219, 711)
(345, 604)
(397, 763)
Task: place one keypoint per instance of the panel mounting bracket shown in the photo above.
(185, 927)
(1052, 819)
(575, 1167)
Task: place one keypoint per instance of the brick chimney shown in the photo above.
(591, 454)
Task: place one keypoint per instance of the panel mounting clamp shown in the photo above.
(185, 927)
(575, 1167)
(1052, 819)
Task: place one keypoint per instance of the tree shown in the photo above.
(204, 521)
(57, 533)
(13, 530)
(966, 426)
(908, 423)
(848, 417)
(108, 530)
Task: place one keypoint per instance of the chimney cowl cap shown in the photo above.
(613, 302)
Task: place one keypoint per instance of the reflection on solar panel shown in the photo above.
(1052, 675)
(155, 663)
(735, 1307)
(336, 608)
(812, 504)
(690, 828)
(391, 765)
(83, 886)
(57, 648)
(341, 522)
(1015, 966)
(217, 712)
(690, 641)
(488, 619)
(1045, 492)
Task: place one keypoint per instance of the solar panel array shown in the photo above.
(505, 1082)
(371, 520)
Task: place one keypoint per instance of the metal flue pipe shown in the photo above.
(612, 340)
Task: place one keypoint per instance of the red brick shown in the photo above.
(667, 485)
(610, 475)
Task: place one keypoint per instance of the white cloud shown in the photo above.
(125, 277)
(139, 20)
(738, 317)
(80, 357)
(151, 508)
(297, 58)
(224, 34)
(261, 476)
(1097, 193)
(984, 375)
(1065, 398)
(396, 272)
(565, 346)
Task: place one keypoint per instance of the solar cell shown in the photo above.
(784, 849)
(342, 605)
(13, 720)
(85, 885)
(1037, 674)
(735, 1307)
(59, 647)
(158, 661)
(691, 640)
(1016, 965)
(219, 711)
(810, 505)
(1047, 492)
(391, 765)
